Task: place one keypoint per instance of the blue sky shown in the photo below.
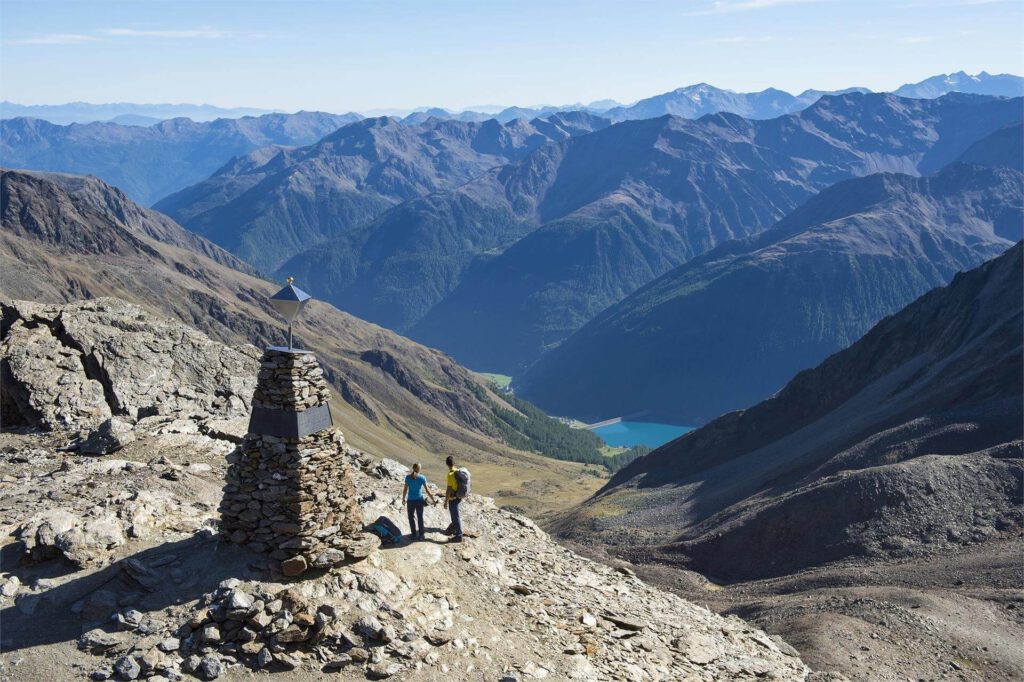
(340, 55)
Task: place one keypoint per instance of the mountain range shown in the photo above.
(496, 242)
(151, 162)
(690, 101)
(149, 173)
(906, 442)
(729, 328)
(700, 99)
(123, 112)
(274, 203)
(506, 266)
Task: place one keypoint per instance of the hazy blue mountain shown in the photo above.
(694, 101)
(634, 200)
(907, 442)
(151, 162)
(421, 117)
(135, 120)
(275, 203)
(423, 229)
(1004, 147)
(700, 99)
(84, 112)
(729, 328)
(505, 114)
(1003, 85)
(601, 105)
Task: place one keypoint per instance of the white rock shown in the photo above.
(10, 586)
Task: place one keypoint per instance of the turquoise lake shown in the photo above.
(628, 434)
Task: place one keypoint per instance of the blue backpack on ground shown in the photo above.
(386, 530)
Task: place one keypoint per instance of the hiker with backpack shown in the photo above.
(412, 498)
(457, 490)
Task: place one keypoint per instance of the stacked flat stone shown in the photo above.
(293, 497)
(290, 381)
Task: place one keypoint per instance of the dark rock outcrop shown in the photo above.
(82, 214)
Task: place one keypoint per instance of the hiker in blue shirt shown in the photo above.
(412, 497)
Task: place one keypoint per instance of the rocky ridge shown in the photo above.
(509, 604)
(89, 215)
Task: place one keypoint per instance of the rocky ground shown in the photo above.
(113, 571)
(951, 615)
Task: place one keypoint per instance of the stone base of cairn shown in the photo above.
(289, 491)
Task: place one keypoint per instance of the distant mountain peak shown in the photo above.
(983, 83)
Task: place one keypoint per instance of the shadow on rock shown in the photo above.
(148, 581)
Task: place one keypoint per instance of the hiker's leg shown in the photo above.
(412, 521)
(419, 515)
(454, 507)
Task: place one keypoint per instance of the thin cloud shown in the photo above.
(733, 40)
(916, 40)
(55, 39)
(202, 32)
(731, 6)
(918, 4)
(106, 34)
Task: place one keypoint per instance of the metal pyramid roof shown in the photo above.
(290, 292)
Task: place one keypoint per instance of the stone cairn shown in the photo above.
(289, 491)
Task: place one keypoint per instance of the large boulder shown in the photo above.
(108, 437)
(81, 540)
(75, 365)
(90, 542)
(38, 534)
(45, 383)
